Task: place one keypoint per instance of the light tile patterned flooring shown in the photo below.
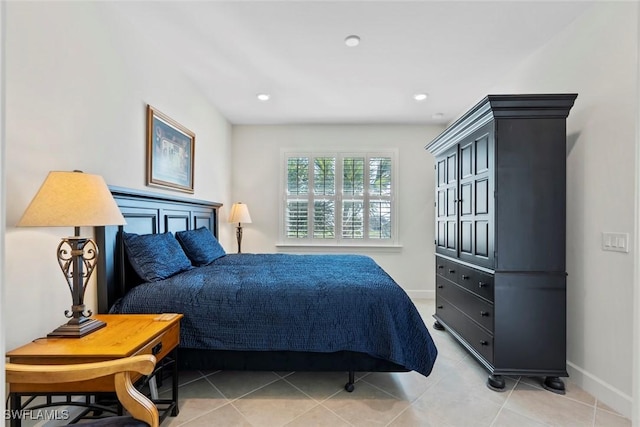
(454, 394)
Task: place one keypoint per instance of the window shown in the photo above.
(339, 198)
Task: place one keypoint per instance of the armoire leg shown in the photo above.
(496, 382)
(554, 384)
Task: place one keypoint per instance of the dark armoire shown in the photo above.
(500, 235)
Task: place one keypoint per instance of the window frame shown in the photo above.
(338, 198)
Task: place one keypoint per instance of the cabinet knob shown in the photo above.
(156, 349)
(441, 266)
(484, 313)
(440, 286)
(451, 271)
(440, 307)
(465, 277)
(482, 284)
(483, 342)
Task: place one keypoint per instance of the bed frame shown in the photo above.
(146, 213)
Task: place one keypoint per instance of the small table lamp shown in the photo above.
(74, 199)
(239, 213)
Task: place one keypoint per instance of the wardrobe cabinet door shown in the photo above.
(446, 232)
(476, 198)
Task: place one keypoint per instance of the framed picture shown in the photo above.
(170, 152)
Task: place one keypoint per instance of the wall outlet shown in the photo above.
(616, 242)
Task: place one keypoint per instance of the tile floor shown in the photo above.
(453, 395)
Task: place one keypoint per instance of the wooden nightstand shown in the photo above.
(125, 335)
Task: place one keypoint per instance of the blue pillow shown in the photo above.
(155, 256)
(200, 245)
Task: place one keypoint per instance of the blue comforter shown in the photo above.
(317, 303)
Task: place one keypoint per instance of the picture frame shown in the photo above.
(170, 152)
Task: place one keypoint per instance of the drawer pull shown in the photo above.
(482, 284)
(440, 286)
(441, 266)
(484, 313)
(451, 271)
(156, 349)
(465, 277)
(440, 307)
(483, 342)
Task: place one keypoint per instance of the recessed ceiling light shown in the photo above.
(352, 41)
(263, 96)
(420, 96)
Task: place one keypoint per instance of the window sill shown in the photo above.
(315, 247)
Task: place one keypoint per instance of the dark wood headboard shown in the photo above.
(145, 213)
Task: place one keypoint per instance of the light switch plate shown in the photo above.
(616, 242)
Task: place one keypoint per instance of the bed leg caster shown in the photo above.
(349, 386)
(554, 385)
(496, 382)
(438, 326)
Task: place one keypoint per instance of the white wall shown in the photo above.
(635, 416)
(2, 191)
(635, 372)
(256, 182)
(78, 78)
(597, 58)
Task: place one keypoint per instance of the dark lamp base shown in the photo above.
(77, 330)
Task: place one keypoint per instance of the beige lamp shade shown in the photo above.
(240, 213)
(72, 199)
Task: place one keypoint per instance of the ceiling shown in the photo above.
(294, 50)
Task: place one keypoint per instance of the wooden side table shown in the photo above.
(125, 335)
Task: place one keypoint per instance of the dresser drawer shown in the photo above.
(161, 345)
(478, 282)
(441, 266)
(447, 269)
(471, 333)
(478, 309)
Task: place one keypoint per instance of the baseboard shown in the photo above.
(417, 294)
(604, 392)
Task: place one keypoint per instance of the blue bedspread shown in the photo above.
(317, 303)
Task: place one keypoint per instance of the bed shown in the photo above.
(277, 312)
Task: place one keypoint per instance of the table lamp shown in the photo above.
(239, 213)
(74, 199)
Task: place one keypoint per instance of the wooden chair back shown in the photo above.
(136, 403)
